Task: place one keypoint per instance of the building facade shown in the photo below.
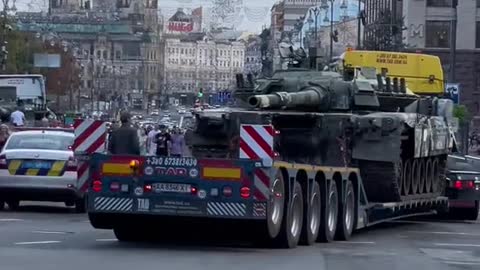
(428, 26)
(118, 44)
(203, 63)
(253, 56)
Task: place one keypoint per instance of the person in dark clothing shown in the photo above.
(124, 140)
(162, 139)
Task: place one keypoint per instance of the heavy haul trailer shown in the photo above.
(292, 201)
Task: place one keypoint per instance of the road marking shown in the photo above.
(462, 263)
(52, 232)
(106, 240)
(356, 242)
(455, 245)
(37, 242)
(10, 219)
(446, 233)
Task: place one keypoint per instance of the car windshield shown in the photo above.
(40, 141)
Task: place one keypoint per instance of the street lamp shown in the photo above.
(325, 4)
(315, 12)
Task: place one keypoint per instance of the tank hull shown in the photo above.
(396, 161)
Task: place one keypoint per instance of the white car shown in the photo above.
(39, 165)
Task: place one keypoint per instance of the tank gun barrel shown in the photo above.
(310, 97)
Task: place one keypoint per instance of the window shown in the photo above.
(40, 141)
(438, 34)
(439, 3)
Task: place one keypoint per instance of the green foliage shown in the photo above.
(461, 112)
(21, 48)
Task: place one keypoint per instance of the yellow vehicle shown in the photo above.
(423, 73)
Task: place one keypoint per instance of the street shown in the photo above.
(50, 236)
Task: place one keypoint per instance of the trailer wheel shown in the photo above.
(293, 219)
(2, 205)
(407, 176)
(276, 206)
(125, 234)
(312, 218)
(328, 224)
(346, 223)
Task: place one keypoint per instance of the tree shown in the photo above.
(385, 33)
(21, 49)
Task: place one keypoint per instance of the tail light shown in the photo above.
(97, 186)
(147, 188)
(470, 184)
(3, 162)
(72, 164)
(114, 186)
(245, 192)
(193, 191)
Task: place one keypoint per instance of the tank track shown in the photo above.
(409, 179)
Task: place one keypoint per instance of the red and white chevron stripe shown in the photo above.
(256, 142)
(90, 137)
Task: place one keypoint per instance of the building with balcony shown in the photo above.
(198, 62)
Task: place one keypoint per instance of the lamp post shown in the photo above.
(325, 5)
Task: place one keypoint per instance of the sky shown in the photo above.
(251, 15)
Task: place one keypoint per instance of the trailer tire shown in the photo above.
(2, 205)
(289, 236)
(312, 217)
(276, 206)
(125, 234)
(328, 224)
(346, 221)
(100, 221)
(81, 205)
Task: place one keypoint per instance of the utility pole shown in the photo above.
(359, 26)
(453, 42)
(331, 29)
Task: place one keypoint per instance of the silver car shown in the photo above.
(39, 165)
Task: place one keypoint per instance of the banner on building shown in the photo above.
(452, 91)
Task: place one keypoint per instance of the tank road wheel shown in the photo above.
(421, 176)
(289, 235)
(435, 176)
(312, 218)
(428, 175)
(414, 176)
(276, 206)
(346, 222)
(407, 176)
(328, 224)
(400, 178)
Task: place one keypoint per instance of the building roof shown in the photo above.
(180, 16)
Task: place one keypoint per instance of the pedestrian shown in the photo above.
(124, 140)
(151, 144)
(177, 143)
(17, 118)
(162, 139)
(4, 135)
(142, 139)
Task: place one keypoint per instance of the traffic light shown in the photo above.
(200, 93)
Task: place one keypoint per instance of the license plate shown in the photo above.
(171, 187)
(36, 165)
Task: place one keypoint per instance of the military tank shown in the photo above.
(398, 140)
